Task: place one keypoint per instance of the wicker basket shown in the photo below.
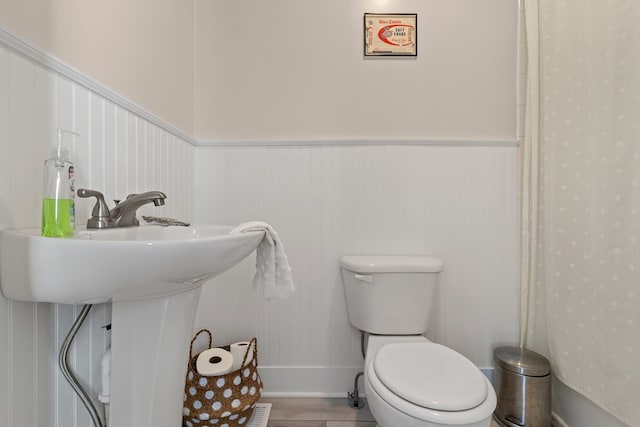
(222, 400)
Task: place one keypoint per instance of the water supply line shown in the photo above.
(63, 363)
(353, 397)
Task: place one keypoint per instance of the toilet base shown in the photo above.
(387, 415)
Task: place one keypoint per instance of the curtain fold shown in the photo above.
(581, 197)
(529, 177)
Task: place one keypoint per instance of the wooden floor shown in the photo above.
(318, 412)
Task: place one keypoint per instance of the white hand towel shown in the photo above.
(273, 277)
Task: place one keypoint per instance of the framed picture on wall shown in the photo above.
(390, 34)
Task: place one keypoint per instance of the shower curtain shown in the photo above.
(580, 204)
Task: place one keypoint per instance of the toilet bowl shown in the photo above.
(409, 380)
(412, 382)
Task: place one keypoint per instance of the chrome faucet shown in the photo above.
(124, 213)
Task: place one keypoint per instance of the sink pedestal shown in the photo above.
(149, 353)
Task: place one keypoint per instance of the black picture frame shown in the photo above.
(390, 34)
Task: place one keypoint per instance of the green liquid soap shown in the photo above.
(58, 221)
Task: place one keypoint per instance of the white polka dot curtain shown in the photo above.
(581, 197)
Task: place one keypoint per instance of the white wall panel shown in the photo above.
(118, 153)
(458, 203)
(65, 402)
(45, 352)
(22, 361)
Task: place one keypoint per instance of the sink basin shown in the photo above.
(118, 264)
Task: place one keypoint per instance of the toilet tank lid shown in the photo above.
(391, 264)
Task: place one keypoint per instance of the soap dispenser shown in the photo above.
(58, 203)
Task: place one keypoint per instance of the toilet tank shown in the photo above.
(390, 295)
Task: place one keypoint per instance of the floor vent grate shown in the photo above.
(260, 417)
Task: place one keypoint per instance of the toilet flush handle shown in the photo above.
(364, 277)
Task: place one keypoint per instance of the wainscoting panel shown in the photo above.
(118, 152)
(455, 202)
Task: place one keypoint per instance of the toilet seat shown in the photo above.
(430, 382)
(430, 375)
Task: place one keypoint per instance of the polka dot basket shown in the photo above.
(221, 400)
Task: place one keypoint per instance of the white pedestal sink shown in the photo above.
(153, 276)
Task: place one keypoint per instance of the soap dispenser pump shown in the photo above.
(58, 203)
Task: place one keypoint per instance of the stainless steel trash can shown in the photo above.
(522, 380)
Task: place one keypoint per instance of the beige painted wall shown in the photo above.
(142, 49)
(289, 69)
(295, 69)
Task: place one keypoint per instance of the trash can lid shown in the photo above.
(522, 361)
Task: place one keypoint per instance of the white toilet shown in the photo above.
(409, 380)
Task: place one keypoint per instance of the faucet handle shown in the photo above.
(100, 215)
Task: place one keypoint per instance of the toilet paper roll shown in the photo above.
(238, 351)
(215, 361)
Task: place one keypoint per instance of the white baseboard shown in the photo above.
(308, 381)
(314, 381)
(571, 409)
